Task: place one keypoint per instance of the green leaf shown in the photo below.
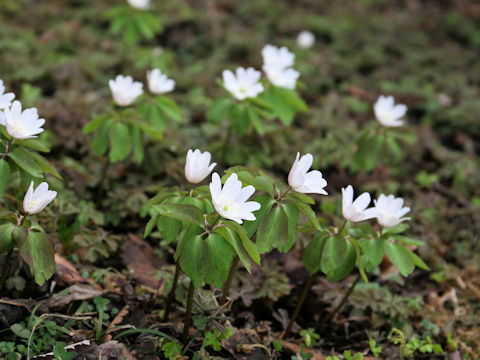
(218, 110)
(418, 261)
(6, 238)
(169, 227)
(344, 268)
(291, 211)
(239, 119)
(100, 143)
(20, 331)
(272, 231)
(195, 259)
(33, 144)
(398, 229)
(221, 258)
(266, 202)
(169, 108)
(95, 124)
(234, 240)
(401, 257)
(45, 165)
(255, 121)
(4, 176)
(249, 246)
(120, 142)
(373, 252)
(333, 253)
(37, 252)
(407, 240)
(183, 212)
(313, 253)
(24, 160)
(189, 231)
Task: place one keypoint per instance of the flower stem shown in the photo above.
(7, 147)
(6, 268)
(188, 319)
(285, 193)
(303, 296)
(342, 303)
(342, 227)
(228, 283)
(101, 184)
(171, 294)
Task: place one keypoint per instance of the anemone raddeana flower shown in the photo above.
(197, 166)
(5, 98)
(356, 210)
(159, 83)
(390, 210)
(125, 90)
(303, 181)
(139, 4)
(281, 77)
(305, 39)
(231, 200)
(244, 83)
(277, 56)
(36, 200)
(387, 113)
(21, 124)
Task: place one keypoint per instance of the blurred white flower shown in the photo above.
(356, 210)
(390, 210)
(305, 39)
(139, 4)
(282, 77)
(21, 124)
(231, 201)
(387, 113)
(303, 181)
(36, 200)
(280, 57)
(5, 98)
(244, 84)
(125, 90)
(197, 166)
(159, 83)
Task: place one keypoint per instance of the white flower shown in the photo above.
(305, 39)
(36, 200)
(198, 166)
(5, 98)
(139, 4)
(390, 210)
(281, 77)
(231, 201)
(356, 210)
(280, 57)
(245, 84)
(159, 83)
(303, 181)
(21, 124)
(125, 90)
(387, 113)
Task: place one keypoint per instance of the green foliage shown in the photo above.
(309, 336)
(408, 347)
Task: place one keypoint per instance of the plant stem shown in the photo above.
(7, 146)
(188, 319)
(303, 296)
(101, 184)
(6, 268)
(171, 294)
(342, 227)
(285, 193)
(342, 303)
(231, 273)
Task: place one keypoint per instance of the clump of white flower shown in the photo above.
(277, 64)
(390, 210)
(159, 83)
(21, 124)
(125, 90)
(305, 39)
(356, 210)
(139, 4)
(303, 181)
(36, 200)
(244, 83)
(231, 200)
(197, 166)
(387, 113)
